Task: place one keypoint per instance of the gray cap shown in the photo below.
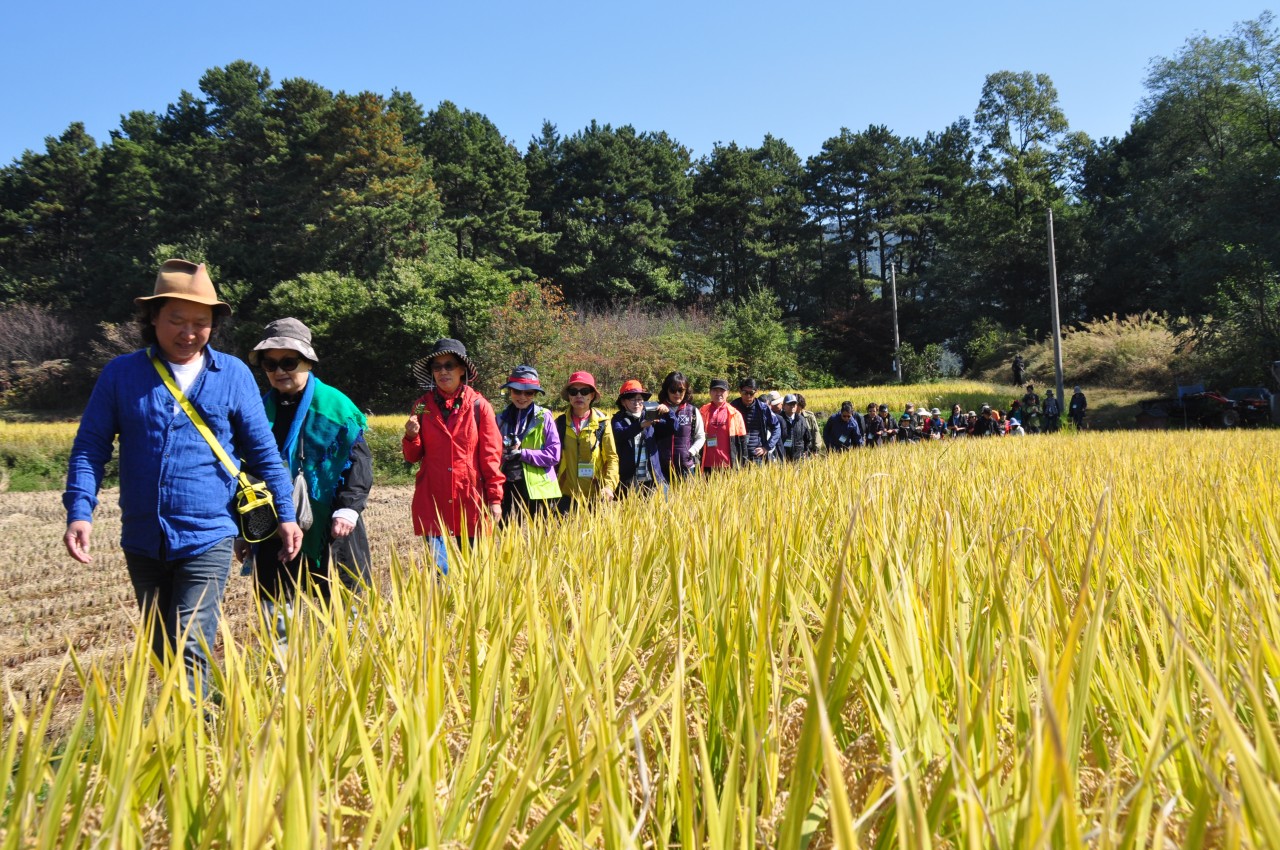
(285, 333)
(790, 398)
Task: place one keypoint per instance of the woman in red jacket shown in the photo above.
(453, 432)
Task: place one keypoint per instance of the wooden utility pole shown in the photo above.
(897, 344)
(1057, 327)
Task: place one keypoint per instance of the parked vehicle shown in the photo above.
(1195, 405)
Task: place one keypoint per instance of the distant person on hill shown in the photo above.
(1079, 404)
(1019, 368)
(178, 523)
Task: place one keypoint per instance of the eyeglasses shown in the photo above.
(676, 391)
(580, 391)
(747, 392)
(632, 396)
(437, 366)
(285, 364)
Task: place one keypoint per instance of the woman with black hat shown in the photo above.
(454, 433)
(530, 448)
(320, 435)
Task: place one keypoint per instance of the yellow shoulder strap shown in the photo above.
(194, 416)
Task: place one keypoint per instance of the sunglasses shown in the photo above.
(285, 364)
(747, 392)
(580, 391)
(437, 366)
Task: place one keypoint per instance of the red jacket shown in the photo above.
(461, 471)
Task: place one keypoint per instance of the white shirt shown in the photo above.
(185, 374)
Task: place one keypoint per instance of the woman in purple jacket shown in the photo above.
(530, 448)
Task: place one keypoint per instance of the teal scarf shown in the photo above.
(325, 428)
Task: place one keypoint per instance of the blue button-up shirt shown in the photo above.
(175, 495)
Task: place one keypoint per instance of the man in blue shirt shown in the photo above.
(842, 431)
(175, 494)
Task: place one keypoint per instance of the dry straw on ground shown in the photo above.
(1064, 641)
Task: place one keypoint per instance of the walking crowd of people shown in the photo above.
(190, 423)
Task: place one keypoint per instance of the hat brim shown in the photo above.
(516, 385)
(283, 342)
(646, 396)
(422, 368)
(218, 306)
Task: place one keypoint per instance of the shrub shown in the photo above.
(533, 327)
(931, 364)
(989, 345)
(1138, 352)
(756, 340)
(367, 333)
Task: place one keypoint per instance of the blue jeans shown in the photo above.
(182, 595)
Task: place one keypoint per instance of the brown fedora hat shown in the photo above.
(188, 281)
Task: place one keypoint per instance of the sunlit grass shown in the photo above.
(1060, 642)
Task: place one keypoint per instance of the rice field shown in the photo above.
(1066, 641)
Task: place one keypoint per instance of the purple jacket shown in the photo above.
(547, 457)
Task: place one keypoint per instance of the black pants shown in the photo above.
(281, 581)
(516, 504)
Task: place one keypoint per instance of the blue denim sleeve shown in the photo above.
(94, 443)
(256, 445)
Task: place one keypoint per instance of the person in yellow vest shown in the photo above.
(588, 455)
(530, 448)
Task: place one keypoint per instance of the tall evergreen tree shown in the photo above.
(484, 190)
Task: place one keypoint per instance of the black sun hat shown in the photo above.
(422, 368)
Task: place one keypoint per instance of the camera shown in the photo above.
(511, 464)
(651, 413)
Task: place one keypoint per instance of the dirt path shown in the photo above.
(49, 602)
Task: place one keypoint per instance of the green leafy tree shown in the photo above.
(746, 221)
(615, 200)
(756, 341)
(383, 207)
(367, 332)
(45, 224)
(484, 190)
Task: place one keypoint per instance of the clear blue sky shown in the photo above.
(705, 72)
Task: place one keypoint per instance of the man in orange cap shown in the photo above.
(177, 524)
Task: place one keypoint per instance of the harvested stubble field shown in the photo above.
(1066, 641)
